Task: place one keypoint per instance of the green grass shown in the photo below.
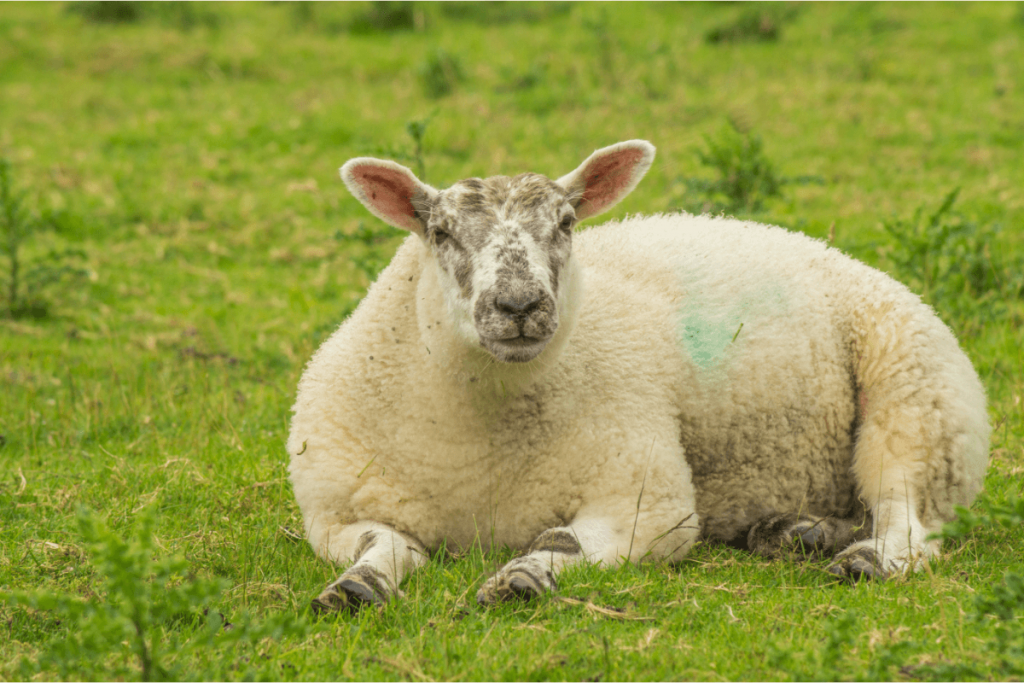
(191, 155)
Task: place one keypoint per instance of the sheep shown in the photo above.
(616, 394)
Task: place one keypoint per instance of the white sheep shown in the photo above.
(615, 394)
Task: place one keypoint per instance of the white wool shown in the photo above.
(717, 371)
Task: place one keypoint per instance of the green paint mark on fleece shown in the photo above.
(706, 335)
(709, 327)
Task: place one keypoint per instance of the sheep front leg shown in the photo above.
(591, 540)
(382, 557)
(534, 573)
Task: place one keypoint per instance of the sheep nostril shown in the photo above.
(517, 305)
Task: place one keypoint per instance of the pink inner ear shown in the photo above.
(389, 191)
(608, 177)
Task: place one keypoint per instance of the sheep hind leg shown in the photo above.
(801, 536)
(894, 448)
(899, 543)
(381, 557)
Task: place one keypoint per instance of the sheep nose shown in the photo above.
(517, 305)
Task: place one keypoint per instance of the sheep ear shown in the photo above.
(390, 191)
(608, 175)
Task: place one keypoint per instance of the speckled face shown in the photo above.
(501, 244)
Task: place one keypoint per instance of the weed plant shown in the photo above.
(761, 22)
(999, 610)
(503, 11)
(745, 177)
(29, 281)
(145, 614)
(957, 265)
(385, 17)
(441, 73)
(417, 130)
(181, 15)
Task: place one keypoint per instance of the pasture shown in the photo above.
(183, 244)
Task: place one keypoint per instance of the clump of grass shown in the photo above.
(1005, 515)
(998, 608)
(378, 18)
(183, 15)
(440, 74)
(28, 280)
(503, 12)
(745, 177)
(826, 663)
(1001, 605)
(113, 12)
(310, 15)
(762, 23)
(955, 264)
(387, 17)
(516, 81)
(142, 614)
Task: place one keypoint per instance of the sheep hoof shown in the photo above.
(523, 587)
(329, 602)
(789, 535)
(517, 584)
(862, 563)
(347, 593)
(812, 538)
(359, 593)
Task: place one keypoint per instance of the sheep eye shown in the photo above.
(566, 224)
(440, 237)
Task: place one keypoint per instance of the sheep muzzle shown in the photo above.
(515, 323)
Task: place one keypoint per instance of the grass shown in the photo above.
(26, 282)
(191, 155)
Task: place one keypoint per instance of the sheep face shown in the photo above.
(502, 244)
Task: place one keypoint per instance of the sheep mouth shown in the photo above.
(521, 349)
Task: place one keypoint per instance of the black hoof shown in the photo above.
(359, 593)
(347, 594)
(521, 587)
(813, 538)
(788, 536)
(329, 602)
(862, 563)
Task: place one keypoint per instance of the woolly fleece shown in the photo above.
(727, 369)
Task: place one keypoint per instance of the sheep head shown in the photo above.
(502, 243)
